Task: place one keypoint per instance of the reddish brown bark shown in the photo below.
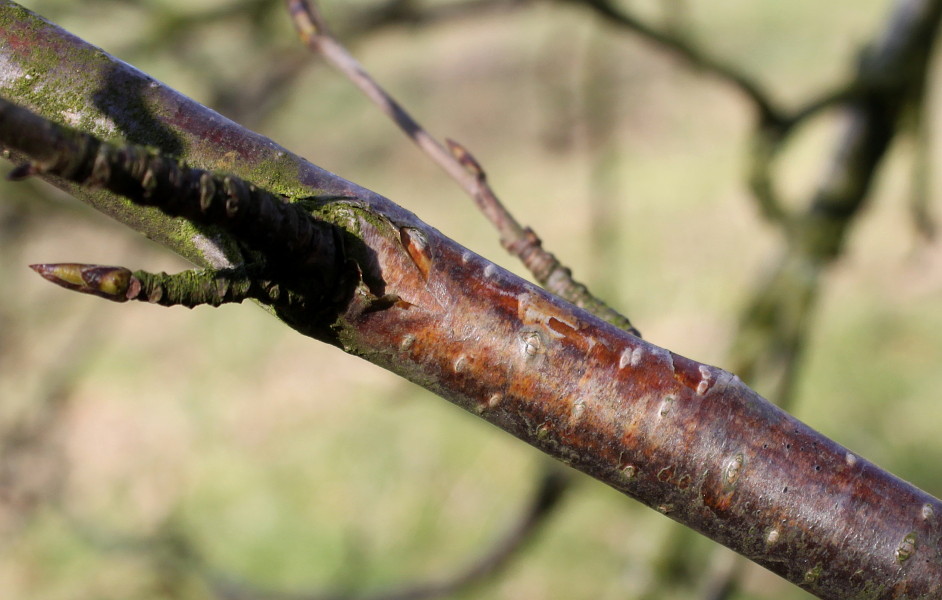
(687, 439)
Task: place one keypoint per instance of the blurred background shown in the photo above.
(153, 453)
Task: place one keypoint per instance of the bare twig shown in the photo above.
(693, 55)
(919, 129)
(770, 138)
(838, 96)
(259, 92)
(775, 124)
(409, 12)
(196, 287)
(764, 147)
(173, 546)
(459, 164)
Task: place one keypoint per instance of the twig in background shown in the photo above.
(770, 138)
(254, 94)
(922, 218)
(694, 55)
(408, 11)
(460, 165)
(920, 131)
(171, 546)
(258, 94)
(764, 147)
(774, 124)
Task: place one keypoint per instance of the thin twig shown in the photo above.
(260, 93)
(775, 125)
(409, 12)
(459, 164)
(924, 223)
(192, 288)
(173, 545)
(692, 54)
(765, 146)
(917, 125)
(839, 96)
(769, 140)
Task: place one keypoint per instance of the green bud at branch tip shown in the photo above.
(111, 283)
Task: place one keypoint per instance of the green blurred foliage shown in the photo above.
(134, 436)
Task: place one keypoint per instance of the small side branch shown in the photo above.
(298, 249)
(192, 288)
(459, 164)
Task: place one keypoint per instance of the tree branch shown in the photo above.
(685, 438)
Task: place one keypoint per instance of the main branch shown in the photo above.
(685, 438)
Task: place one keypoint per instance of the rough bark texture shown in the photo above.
(687, 439)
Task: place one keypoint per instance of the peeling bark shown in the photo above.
(687, 439)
